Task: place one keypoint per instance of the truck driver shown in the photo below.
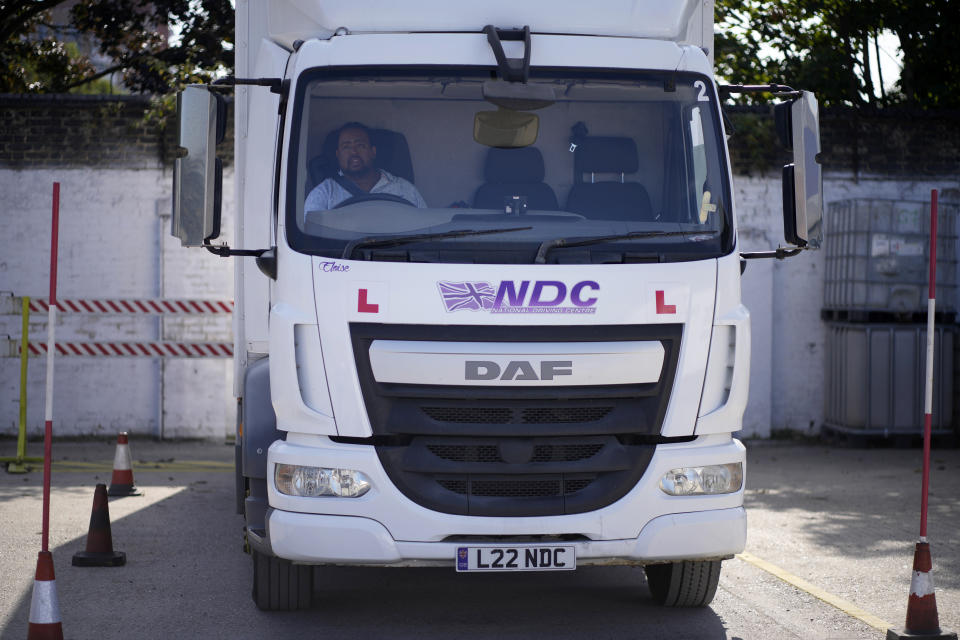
(358, 174)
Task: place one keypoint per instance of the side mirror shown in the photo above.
(197, 171)
(798, 124)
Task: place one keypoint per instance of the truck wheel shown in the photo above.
(280, 585)
(690, 583)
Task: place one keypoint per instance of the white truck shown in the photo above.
(494, 322)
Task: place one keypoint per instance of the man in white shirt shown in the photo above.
(358, 175)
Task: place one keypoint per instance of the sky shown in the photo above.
(891, 60)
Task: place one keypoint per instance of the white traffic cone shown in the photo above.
(44, 607)
(121, 483)
(923, 621)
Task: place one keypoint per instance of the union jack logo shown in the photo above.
(473, 296)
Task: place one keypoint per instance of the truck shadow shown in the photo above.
(605, 602)
(186, 576)
(861, 503)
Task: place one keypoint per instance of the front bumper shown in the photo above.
(385, 527)
(314, 539)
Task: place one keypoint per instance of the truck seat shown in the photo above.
(514, 172)
(393, 155)
(608, 199)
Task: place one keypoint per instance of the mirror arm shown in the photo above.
(780, 90)
(780, 253)
(277, 85)
(510, 69)
(224, 251)
(266, 258)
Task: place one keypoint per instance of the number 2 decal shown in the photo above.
(702, 96)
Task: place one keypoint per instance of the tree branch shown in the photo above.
(164, 55)
(57, 27)
(17, 15)
(96, 76)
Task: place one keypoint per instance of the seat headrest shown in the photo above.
(600, 154)
(514, 166)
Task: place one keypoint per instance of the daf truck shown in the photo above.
(487, 306)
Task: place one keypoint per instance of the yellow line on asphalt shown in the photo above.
(836, 601)
(182, 465)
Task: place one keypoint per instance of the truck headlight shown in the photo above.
(313, 482)
(710, 479)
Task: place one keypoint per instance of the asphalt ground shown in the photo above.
(829, 552)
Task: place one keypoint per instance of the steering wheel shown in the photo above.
(366, 197)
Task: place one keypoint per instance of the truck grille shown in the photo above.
(515, 476)
(515, 451)
(516, 488)
(530, 415)
(476, 415)
(491, 453)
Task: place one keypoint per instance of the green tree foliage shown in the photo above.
(931, 61)
(36, 57)
(825, 46)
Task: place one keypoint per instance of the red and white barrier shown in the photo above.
(122, 306)
(137, 306)
(126, 306)
(154, 348)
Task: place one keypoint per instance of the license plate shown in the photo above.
(549, 558)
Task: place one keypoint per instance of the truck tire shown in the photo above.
(280, 585)
(689, 583)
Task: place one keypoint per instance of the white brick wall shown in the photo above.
(110, 246)
(785, 298)
(114, 230)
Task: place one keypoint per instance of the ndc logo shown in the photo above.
(525, 296)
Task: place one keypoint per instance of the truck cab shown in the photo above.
(494, 321)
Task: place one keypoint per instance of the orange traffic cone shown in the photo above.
(99, 552)
(922, 619)
(121, 483)
(44, 608)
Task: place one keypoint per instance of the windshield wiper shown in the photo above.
(381, 241)
(547, 245)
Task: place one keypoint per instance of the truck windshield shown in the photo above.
(616, 168)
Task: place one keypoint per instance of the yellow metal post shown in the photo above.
(24, 338)
(18, 464)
